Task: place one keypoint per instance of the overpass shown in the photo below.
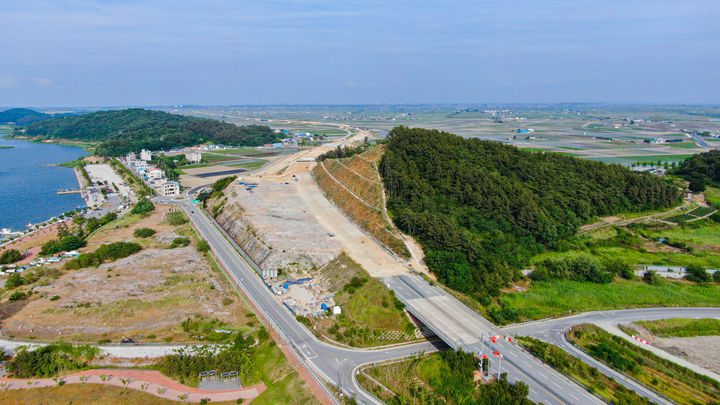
(462, 328)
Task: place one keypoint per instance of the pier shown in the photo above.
(69, 191)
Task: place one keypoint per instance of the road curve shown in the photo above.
(330, 363)
(553, 331)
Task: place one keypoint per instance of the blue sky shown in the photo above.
(102, 53)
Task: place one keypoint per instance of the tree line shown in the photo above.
(122, 131)
(481, 209)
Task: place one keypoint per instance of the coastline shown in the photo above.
(36, 193)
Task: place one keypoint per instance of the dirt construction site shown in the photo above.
(281, 217)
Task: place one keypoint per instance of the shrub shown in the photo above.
(10, 256)
(176, 218)
(105, 253)
(51, 360)
(67, 243)
(716, 276)
(143, 206)
(17, 296)
(221, 184)
(54, 298)
(15, 280)
(203, 246)
(144, 232)
(651, 278)
(354, 284)
(179, 242)
(697, 274)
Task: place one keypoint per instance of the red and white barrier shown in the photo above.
(640, 340)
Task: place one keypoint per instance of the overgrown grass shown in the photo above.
(561, 297)
(675, 382)
(83, 394)
(590, 377)
(682, 327)
(632, 256)
(707, 234)
(369, 308)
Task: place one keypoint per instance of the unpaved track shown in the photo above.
(360, 247)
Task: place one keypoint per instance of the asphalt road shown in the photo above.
(464, 329)
(451, 320)
(553, 331)
(334, 364)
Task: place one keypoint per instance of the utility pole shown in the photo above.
(498, 369)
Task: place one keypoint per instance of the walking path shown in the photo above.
(611, 327)
(149, 381)
(128, 351)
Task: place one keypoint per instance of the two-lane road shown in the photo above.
(334, 364)
(554, 331)
(464, 329)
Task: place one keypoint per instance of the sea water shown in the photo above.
(28, 190)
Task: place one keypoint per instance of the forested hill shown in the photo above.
(22, 116)
(701, 169)
(123, 131)
(481, 209)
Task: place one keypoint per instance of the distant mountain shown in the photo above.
(22, 116)
(123, 131)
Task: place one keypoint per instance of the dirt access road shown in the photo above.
(304, 195)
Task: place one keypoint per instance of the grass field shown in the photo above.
(580, 371)
(405, 379)
(712, 195)
(705, 258)
(562, 297)
(675, 382)
(368, 311)
(250, 165)
(682, 327)
(705, 235)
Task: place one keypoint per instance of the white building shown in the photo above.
(145, 155)
(155, 173)
(138, 164)
(193, 157)
(170, 188)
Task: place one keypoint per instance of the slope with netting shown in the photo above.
(354, 185)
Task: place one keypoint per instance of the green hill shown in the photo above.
(123, 131)
(481, 209)
(22, 116)
(701, 169)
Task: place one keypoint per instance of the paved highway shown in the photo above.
(553, 331)
(456, 324)
(463, 328)
(333, 364)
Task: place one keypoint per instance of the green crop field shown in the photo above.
(701, 211)
(256, 164)
(680, 218)
(643, 158)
